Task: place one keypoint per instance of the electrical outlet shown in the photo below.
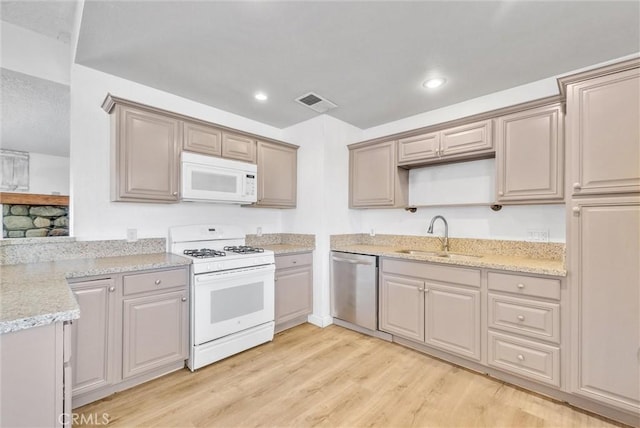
(132, 235)
(259, 231)
(538, 235)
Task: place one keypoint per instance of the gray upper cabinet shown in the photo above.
(467, 141)
(277, 175)
(147, 151)
(530, 156)
(239, 147)
(202, 139)
(603, 128)
(375, 181)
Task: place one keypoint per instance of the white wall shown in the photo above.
(93, 215)
(31, 53)
(48, 174)
(323, 174)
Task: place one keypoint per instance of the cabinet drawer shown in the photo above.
(294, 260)
(526, 358)
(152, 281)
(527, 317)
(525, 285)
(432, 271)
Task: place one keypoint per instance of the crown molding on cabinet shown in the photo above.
(464, 121)
(110, 101)
(564, 81)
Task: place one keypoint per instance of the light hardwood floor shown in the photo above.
(332, 377)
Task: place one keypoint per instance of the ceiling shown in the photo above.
(369, 58)
(50, 18)
(35, 114)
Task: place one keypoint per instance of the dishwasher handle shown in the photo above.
(353, 262)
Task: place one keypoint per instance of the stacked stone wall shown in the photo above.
(31, 221)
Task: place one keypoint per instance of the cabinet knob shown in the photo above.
(112, 289)
(520, 317)
(294, 262)
(175, 193)
(577, 186)
(501, 193)
(420, 290)
(576, 210)
(521, 357)
(158, 282)
(184, 299)
(520, 286)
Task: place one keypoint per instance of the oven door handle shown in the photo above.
(235, 273)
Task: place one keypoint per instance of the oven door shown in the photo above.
(231, 301)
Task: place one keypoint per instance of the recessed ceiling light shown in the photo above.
(260, 96)
(434, 83)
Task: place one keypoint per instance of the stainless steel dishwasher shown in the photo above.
(354, 292)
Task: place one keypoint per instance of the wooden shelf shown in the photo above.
(33, 199)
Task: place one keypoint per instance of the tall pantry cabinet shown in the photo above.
(603, 147)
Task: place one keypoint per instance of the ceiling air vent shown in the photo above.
(315, 102)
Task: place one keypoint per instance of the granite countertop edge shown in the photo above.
(64, 306)
(487, 261)
(288, 248)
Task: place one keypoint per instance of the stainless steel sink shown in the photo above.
(444, 255)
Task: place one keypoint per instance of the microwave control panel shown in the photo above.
(250, 184)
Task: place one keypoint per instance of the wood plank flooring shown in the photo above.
(331, 377)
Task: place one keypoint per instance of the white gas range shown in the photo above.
(232, 291)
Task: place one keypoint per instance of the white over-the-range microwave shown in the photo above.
(212, 179)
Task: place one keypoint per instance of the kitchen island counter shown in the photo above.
(35, 294)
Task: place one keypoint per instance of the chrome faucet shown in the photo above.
(445, 241)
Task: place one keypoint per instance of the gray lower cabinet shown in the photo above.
(32, 381)
(93, 335)
(433, 304)
(155, 331)
(293, 289)
(132, 328)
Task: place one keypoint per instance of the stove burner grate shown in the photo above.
(204, 253)
(244, 249)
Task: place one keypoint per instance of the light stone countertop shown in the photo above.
(490, 261)
(288, 248)
(35, 294)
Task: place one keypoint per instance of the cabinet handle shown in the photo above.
(577, 186)
(184, 299)
(158, 282)
(521, 357)
(520, 317)
(576, 210)
(426, 290)
(520, 286)
(112, 289)
(294, 262)
(175, 193)
(501, 193)
(420, 290)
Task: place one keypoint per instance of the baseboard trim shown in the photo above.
(320, 321)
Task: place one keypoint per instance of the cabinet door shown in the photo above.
(606, 300)
(277, 175)
(155, 332)
(471, 138)
(418, 148)
(202, 139)
(93, 335)
(529, 155)
(401, 308)
(293, 293)
(147, 156)
(374, 178)
(603, 117)
(31, 381)
(239, 147)
(452, 318)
